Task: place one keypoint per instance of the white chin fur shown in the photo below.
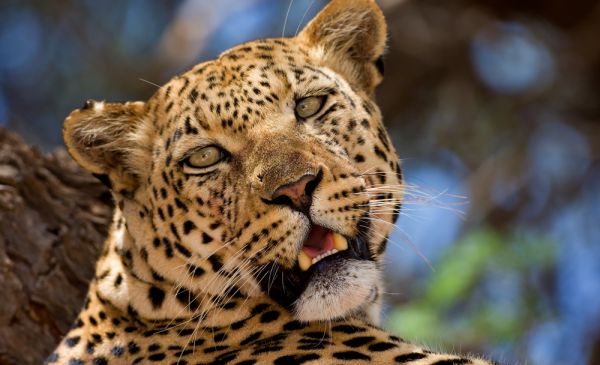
(344, 288)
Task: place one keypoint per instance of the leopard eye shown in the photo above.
(204, 157)
(309, 106)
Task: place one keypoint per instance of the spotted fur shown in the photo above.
(200, 266)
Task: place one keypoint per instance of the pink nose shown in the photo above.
(297, 194)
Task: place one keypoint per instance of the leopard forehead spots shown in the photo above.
(254, 195)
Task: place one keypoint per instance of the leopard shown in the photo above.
(251, 213)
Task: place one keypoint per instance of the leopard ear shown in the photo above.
(350, 37)
(99, 136)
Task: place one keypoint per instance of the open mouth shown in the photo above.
(319, 244)
(325, 257)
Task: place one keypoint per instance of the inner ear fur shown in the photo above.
(100, 137)
(350, 36)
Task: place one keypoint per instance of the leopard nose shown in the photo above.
(297, 194)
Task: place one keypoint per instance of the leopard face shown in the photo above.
(255, 174)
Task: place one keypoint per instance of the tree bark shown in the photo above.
(53, 221)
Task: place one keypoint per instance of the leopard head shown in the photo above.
(255, 174)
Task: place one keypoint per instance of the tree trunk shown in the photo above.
(53, 220)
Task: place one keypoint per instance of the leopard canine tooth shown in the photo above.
(304, 261)
(339, 242)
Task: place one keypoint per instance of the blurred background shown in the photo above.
(494, 106)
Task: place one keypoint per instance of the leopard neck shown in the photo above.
(152, 293)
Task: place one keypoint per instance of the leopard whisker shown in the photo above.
(205, 295)
(287, 14)
(406, 237)
(303, 16)
(193, 334)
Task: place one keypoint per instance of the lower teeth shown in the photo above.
(305, 262)
(321, 257)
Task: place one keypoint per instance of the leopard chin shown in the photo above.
(338, 288)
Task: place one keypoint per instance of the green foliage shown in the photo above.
(479, 291)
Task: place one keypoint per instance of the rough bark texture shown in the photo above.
(53, 220)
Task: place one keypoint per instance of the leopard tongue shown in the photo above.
(320, 243)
